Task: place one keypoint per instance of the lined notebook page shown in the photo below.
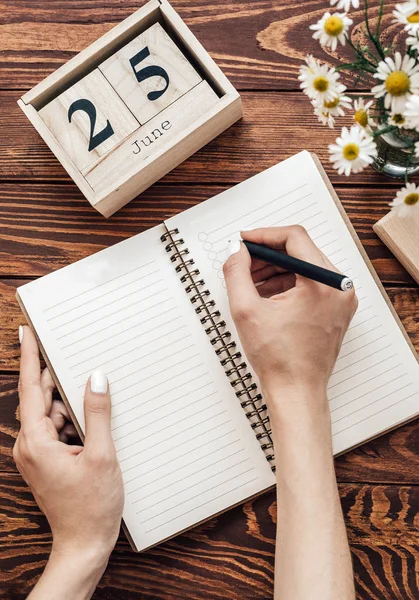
(183, 442)
(375, 384)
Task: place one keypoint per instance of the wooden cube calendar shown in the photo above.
(132, 106)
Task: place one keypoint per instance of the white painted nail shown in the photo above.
(233, 247)
(99, 382)
(20, 334)
(246, 229)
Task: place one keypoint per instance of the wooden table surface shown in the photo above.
(45, 224)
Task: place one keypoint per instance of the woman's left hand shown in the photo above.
(79, 488)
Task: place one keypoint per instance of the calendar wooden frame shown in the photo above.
(224, 112)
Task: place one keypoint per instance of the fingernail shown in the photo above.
(233, 247)
(98, 382)
(246, 229)
(20, 334)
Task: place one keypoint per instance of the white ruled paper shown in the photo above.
(183, 442)
(375, 383)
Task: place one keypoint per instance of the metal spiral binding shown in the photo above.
(225, 348)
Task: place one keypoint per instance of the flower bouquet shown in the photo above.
(385, 130)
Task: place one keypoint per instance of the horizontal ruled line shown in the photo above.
(121, 321)
(371, 403)
(366, 393)
(115, 394)
(125, 342)
(361, 359)
(140, 406)
(139, 301)
(377, 413)
(95, 287)
(188, 417)
(259, 207)
(107, 293)
(178, 446)
(126, 339)
(364, 382)
(208, 478)
(183, 407)
(363, 371)
(197, 495)
(203, 504)
(179, 433)
(192, 462)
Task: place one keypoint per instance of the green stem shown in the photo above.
(355, 66)
(372, 37)
(361, 54)
(384, 130)
(380, 16)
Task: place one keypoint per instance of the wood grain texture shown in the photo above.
(45, 224)
(258, 45)
(45, 227)
(390, 459)
(230, 557)
(275, 126)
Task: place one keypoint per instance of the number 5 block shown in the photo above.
(88, 119)
(150, 73)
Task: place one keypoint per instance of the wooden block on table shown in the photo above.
(181, 104)
(151, 139)
(88, 119)
(150, 73)
(401, 236)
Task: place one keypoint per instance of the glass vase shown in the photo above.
(394, 153)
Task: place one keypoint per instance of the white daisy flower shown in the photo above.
(407, 14)
(345, 4)
(327, 111)
(406, 200)
(400, 79)
(353, 151)
(362, 116)
(398, 120)
(332, 29)
(319, 82)
(411, 112)
(413, 42)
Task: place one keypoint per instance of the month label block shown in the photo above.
(150, 73)
(88, 119)
(152, 138)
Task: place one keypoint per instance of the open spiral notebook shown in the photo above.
(189, 423)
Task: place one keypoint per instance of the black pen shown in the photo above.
(300, 267)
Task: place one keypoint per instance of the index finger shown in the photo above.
(294, 239)
(31, 397)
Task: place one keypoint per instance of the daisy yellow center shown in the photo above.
(320, 83)
(332, 103)
(397, 83)
(361, 117)
(399, 119)
(411, 199)
(333, 25)
(351, 151)
(414, 18)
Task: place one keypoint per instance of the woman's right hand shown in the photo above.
(291, 328)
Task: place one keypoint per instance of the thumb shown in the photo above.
(97, 413)
(241, 290)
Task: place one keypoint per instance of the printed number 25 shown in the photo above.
(96, 139)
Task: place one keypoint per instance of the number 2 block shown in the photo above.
(88, 119)
(150, 73)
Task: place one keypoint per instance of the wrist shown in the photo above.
(302, 404)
